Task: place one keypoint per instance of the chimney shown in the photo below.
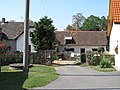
(3, 20)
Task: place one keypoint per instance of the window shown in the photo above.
(69, 40)
(94, 49)
(82, 50)
(69, 49)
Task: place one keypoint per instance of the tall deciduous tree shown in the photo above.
(43, 37)
(78, 20)
(95, 23)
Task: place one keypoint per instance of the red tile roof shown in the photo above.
(116, 10)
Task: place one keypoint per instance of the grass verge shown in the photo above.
(17, 80)
(97, 68)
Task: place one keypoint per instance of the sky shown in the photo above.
(60, 11)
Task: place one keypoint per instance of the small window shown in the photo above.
(68, 41)
(82, 50)
(94, 49)
(69, 49)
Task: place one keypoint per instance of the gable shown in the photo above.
(114, 14)
(13, 29)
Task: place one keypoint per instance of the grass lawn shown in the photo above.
(97, 68)
(17, 80)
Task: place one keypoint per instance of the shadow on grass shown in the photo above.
(12, 80)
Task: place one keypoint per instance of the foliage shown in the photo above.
(95, 60)
(78, 20)
(97, 68)
(100, 49)
(16, 80)
(108, 42)
(11, 57)
(70, 27)
(95, 23)
(43, 37)
(83, 58)
(106, 62)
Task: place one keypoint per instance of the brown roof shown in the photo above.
(83, 38)
(12, 29)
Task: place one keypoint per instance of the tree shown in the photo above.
(78, 20)
(94, 23)
(43, 37)
(69, 27)
(104, 24)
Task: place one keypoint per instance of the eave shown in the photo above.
(110, 20)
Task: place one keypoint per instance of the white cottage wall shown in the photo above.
(115, 41)
(20, 42)
(77, 49)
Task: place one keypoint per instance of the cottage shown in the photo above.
(114, 30)
(12, 34)
(80, 41)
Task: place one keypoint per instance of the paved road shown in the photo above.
(84, 78)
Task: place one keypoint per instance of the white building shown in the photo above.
(80, 41)
(12, 33)
(114, 30)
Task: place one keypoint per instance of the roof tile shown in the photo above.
(116, 10)
(83, 38)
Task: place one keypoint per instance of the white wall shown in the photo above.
(77, 49)
(20, 42)
(114, 41)
(30, 43)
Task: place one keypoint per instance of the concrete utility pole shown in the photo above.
(26, 28)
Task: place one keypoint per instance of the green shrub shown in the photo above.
(106, 62)
(95, 60)
(10, 57)
(100, 49)
(83, 58)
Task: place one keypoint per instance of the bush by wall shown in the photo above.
(10, 57)
(83, 58)
(95, 60)
(106, 62)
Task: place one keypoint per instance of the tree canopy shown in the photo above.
(43, 37)
(70, 27)
(92, 23)
(77, 20)
(95, 23)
